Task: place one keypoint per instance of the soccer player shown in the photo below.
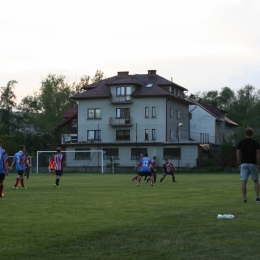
(143, 168)
(141, 156)
(20, 160)
(168, 170)
(60, 162)
(27, 170)
(4, 169)
(51, 166)
(152, 170)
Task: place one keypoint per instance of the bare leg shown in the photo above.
(243, 188)
(257, 189)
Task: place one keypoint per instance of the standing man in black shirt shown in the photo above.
(248, 161)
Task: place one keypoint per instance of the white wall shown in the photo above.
(202, 122)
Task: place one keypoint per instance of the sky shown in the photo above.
(200, 45)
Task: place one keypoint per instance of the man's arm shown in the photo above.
(258, 158)
(6, 168)
(239, 158)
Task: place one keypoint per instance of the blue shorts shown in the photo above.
(59, 172)
(247, 169)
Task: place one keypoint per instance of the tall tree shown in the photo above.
(7, 103)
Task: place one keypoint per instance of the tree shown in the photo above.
(7, 103)
(45, 108)
(99, 75)
(241, 108)
(226, 98)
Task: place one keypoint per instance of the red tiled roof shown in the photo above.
(101, 89)
(70, 112)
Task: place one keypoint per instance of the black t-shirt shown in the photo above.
(248, 147)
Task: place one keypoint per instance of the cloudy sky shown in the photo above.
(202, 45)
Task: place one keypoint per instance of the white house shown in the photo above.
(126, 115)
(208, 123)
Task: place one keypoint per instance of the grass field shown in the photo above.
(95, 216)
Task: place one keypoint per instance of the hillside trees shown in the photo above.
(242, 106)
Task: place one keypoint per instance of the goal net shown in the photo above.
(76, 161)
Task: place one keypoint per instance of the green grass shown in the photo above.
(95, 216)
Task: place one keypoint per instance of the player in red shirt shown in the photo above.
(168, 170)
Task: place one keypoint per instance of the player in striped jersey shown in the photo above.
(60, 162)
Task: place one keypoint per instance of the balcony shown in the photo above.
(121, 99)
(115, 121)
(69, 138)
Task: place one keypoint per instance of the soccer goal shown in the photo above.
(78, 160)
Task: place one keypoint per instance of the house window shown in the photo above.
(123, 112)
(122, 134)
(94, 113)
(135, 152)
(146, 112)
(171, 134)
(123, 91)
(153, 111)
(178, 114)
(170, 89)
(153, 134)
(172, 153)
(204, 137)
(75, 123)
(146, 134)
(111, 152)
(79, 155)
(171, 112)
(94, 135)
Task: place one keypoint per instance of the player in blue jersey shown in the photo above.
(152, 172)
(4, 169)
(143, 168)
(20, 160)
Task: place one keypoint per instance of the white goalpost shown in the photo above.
(78, 160)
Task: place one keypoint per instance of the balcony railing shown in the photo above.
(120, 99)
(69, 138)
(115, 121)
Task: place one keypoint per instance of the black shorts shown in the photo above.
(168, 173)
(59, 172)
(2, 176)
(144, 173)
(20, 173)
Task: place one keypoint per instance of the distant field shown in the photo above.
(95, 216)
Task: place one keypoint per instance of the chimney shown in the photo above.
(122, 74)
(151, 73)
